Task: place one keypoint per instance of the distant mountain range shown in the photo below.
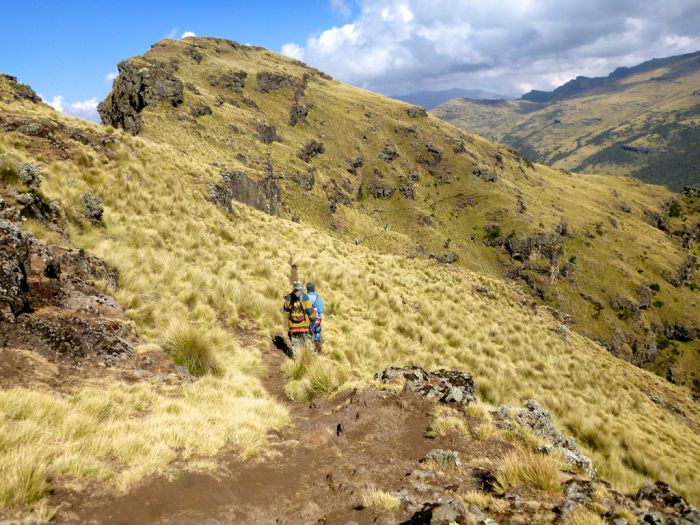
(432, 99)
(640, 121)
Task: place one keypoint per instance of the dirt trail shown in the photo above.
(316, 469)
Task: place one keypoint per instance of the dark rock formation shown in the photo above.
(92, 207)
(14, 255)
(380, 187)
(638, 149)
(270, 81)
(657, 220)
(448, 258)
(21, 91)
(546, 245)
(267, 134)
(311, 149)
(354, 164)
(233, 80)
(416, 111)
(691, 191)
(298, 114)
(263, 195)
(388, 153)
(407, 188)
(135, 89)
(446, 386)
(200, 110)
(486, 176)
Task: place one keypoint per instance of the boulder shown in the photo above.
(388, 153)
(135, 89)
(21, 91)
(267, 134)
(14, 259)
(233, 80)
(416, 111)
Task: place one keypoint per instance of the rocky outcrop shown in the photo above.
(298, 113)
(136, 88)
(200, 110)
(388, 153)
(691, 191)
(267, 134)
(539, 245)
(446, 386)
(233, 81)
(311, 149)
(271, 81)
(263, 195)
(20, 91)
(416, 111)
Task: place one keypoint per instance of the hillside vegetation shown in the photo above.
(294, 143)
(642, 121)
(195, 276)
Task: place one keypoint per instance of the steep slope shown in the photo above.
(642, 121)
(291, 141)
(202, 280)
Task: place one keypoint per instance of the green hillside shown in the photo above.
(198, 276)
(642, 121)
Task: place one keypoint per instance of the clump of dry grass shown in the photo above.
(312, 375)
(191, 347)
(485, 501)
(582, 516)
(523, 467)
(445, 419)
(380, 499)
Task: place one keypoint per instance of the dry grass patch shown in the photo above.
(582, 516)
(446, 419)
(523, 467)
(191, 347)
(380, 499)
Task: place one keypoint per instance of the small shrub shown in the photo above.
(656, 287)
(192, 348)
(523, 467)
(675, 209)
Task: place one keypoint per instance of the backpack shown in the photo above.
(297, 314)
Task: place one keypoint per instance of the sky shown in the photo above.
(68, 50)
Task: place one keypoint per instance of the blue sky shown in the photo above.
(66, 49)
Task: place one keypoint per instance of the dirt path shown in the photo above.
(317, 469)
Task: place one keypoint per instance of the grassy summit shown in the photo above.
(195, 275)
(642, 121)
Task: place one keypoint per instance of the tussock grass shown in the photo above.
(312, 375)
(484, 501)
(523, 467)
(191, 347)
(180, 257)
(446, 419)
(380, 499)
(582, 516)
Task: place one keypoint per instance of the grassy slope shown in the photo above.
(353, 122)
(183, 261)
(638, 110)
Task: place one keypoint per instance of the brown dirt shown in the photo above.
(315, 471)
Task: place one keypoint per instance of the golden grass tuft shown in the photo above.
(582, 516)
(191, 347)
(523, 467)
(380, 499)
(312, 375)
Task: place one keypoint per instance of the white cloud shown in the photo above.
(111, 76)
(398, 46)
(341, 6)
(86, 109)
(187, 34)
(56, 103)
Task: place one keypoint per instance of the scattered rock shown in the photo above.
(416, 111)
(298, 114)
(200, 110)
(354, 164)
(270, 81)
(447, 386)
(92, 207)
(267, 134)
(21, 91)
(311, 149)
(233, 80)
(388, 153)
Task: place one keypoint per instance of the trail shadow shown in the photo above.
(281, 344)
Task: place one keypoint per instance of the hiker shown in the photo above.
(317, 304)
(301, 314)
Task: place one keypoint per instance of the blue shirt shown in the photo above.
(316, 302)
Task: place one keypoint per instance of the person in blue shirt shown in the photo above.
(317, 305)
